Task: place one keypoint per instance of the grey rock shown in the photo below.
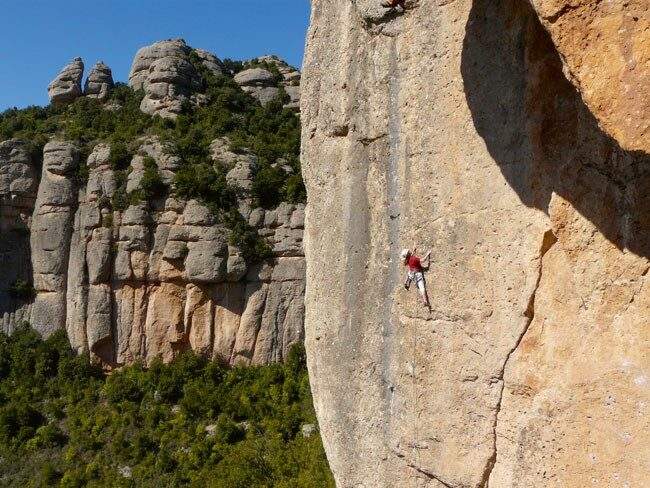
(98, 256)
(125, 471)
(136, 174)
(99, 82)
(66, 87)
(167, 162)
(271, 218)
(136, 215)
(52, 227)
(18, 187)
(241, 175)
(256, 218)
(255, 77)
(210, 61)
(17, 174)
(289, 269)
(101, 182)
(288, 242)
(196, 213)
(308, 430)
(206, 261)
(210, 430)
(259, 83)
(98, 322)
(284, 212)
(122, 267)
(264, 94)
(235, 268)
(175, 250)
(260, 272)
(167, 76)
(136, 237)
(298, 217)
(294, 97)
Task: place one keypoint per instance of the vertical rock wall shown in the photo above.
(452, 126)
(153, 280)
(51, 231)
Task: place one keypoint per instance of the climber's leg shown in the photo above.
(422, 288)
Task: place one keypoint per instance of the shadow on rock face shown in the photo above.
(541, 134)
(16, 263)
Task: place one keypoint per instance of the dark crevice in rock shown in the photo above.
(430, 475)
(548, 240)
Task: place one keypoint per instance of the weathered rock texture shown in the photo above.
(170, 79)
(153, 280)
(66, 87)
(165, 73)
(99, 81)
(605, 47)
(265, 86)
(50, 235)
(259, 83)
(453, 126)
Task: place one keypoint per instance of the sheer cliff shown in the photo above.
(510, 138)
(161, 216)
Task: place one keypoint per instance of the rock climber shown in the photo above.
(394, 4)
(416, 272)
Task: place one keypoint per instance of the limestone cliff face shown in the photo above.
(454, 127)
(152, 280)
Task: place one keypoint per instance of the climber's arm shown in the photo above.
(426, 258)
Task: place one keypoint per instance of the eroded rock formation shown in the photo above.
(158, 277)
(165, 73)
(152, 280)
(453, 126)
(259, 83)
(263, 85)
(99, 81)
(50, 235)
(66, 87)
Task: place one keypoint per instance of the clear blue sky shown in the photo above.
(38, 37)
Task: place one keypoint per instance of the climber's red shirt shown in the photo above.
(413, 262)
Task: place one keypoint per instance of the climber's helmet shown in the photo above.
(404, 254)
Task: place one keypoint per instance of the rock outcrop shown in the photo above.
(259, 83)
(152, 280)
(51, 230)
(262, 84)
(99, 82)
(210, 61)
(453, 126)
(168, 78)
(66, 87)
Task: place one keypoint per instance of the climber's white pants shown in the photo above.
(418, 277)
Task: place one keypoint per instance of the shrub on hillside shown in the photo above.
(152, 184)
(189, 423)
(270, 132)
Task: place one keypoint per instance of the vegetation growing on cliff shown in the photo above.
(271, 133)
(190, 423)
